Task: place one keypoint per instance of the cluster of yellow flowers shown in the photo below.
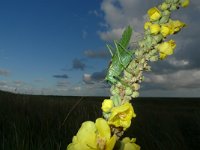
(104, 133)
(97, 136)
(161, 24)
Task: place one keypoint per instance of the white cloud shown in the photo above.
(112, 34)
(181, 79)
(87, 78)
(119, 14)
(178, 63)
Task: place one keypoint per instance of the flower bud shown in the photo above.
(169, 1)
(135, 94)
(185, 3)
(153, 51)
(158, 38)
(175, 1)
(155, 28)
(141, 43)
(114, 90)
(136, 86)
(107, 105)
(128, 91)
(139, 53)
(153, 58)
(166, 13)
(165, 30)
(154, 14)
(164, 6)
(164, 19)
(127, 74)
(173, 7)
(115, 99)
(127, 98)
(106, 115)
(147, 25)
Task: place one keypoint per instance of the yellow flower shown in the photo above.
(166, 48)
(129, 144)
(107, 105)
(154, 14)
(178, 25)
(185, 3)
(93, 136)
(147, 25)
(121, 116)
(165, 30)
(155, 28)
(175, 26)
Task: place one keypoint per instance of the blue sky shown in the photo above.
(58, 47)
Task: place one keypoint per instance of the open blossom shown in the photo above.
(166, 48)
(129, 144)
(121, 116)
(176, 26)
(93, 136)
(154, 14)
(172, 27)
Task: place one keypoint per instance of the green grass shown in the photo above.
(37, 122)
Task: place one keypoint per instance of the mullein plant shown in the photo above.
(125, 74)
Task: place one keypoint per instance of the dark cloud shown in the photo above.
(64, 76)
(99, 76)
(4, 73)
(94, 77)
(78, 64)
(96, 54)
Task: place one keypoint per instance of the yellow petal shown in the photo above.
(78, 146)
(178, 25)
(111, 143)
(103, 128)
(131, 146)
(166, 48)
(86, 134)
(162, 56)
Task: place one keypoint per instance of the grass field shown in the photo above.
(47, 122)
